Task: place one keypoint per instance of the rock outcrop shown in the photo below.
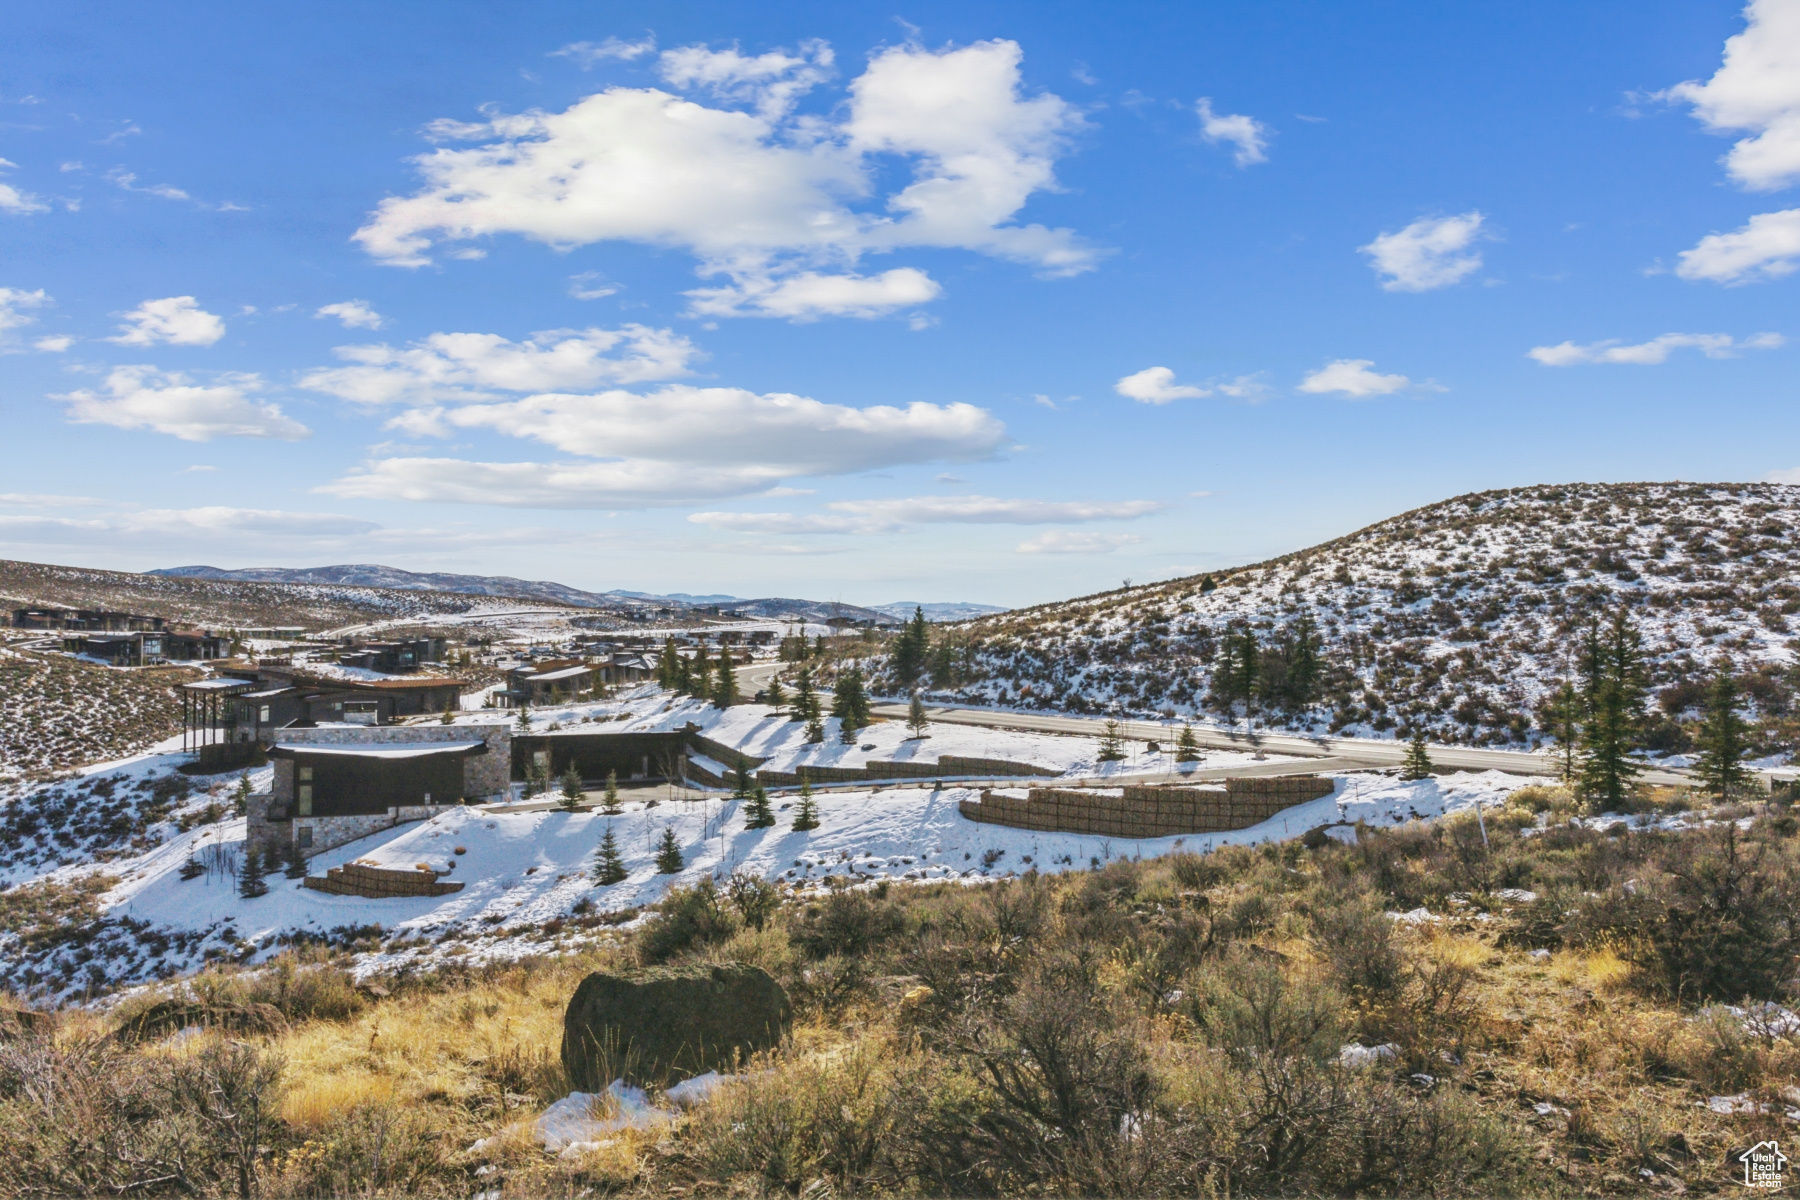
(665, 1025)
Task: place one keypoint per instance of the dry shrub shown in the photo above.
(797, 1117)
(89, 1117)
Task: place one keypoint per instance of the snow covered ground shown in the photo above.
(528, 874)
(767, 733)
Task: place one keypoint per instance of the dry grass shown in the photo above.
(1133, 1030)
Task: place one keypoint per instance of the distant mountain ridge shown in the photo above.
(374, 575)
(546, 591)
(942, 611)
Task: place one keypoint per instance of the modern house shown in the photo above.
(227, 719)
(394, 658)
(333, 785)
(94, 620)
(142, 649)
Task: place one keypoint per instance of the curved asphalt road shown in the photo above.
(1344, 752)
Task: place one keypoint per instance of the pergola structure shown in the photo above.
(205, 707)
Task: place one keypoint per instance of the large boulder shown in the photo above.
(669, 1024)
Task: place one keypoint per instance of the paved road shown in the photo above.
(1344, 752)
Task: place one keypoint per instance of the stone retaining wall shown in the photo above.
(1147, 811)
(949, 766)
(720, 752)
(377, 883)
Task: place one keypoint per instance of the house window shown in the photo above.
(303, 801)
(303, 836)
(306, 774)
(263, 716)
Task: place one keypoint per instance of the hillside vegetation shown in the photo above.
(1562, 1010)
(218, 603)
(57, 712)
(1456, 619)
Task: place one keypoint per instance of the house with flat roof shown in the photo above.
(335, 784)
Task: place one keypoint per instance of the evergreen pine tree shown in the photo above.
(296, 861)
(684, 675)
(240, 796)
(1112, 743)
(250, 876)
(1304, 663)
(740, 780)
(700, 674)
(668, 853)
(725, 688)
(1614, 708)
(1187, 746)
(668, 667)
(915, 716)
(807, 815)
(609, 864)
(191, 867)
(850, 703)
(758, 814)
(1722, 737)
(537, 775)
(610, 805)
(1417, 763)
(818, 647)
(524, 716)
(815, 731)
(449, 717)
(1248, 670)
(910, 649)
(571, 788)
(1561, 715)
(806, 700)
(775, 697)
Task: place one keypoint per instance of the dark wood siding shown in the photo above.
(349, 785)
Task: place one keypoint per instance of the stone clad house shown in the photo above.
(337, 783)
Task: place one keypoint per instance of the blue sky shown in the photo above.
(998, 302)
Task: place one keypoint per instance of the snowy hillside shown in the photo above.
(1457, 617)
(217, 603)
(93, 897)
(57, 711)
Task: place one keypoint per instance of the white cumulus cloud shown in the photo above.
(887, 516)
(173, 320)
(677, 444)
(1248, 135)
(1656, 350)
(575, 485)
(352, 314)
(1432, 252)
(1767, 247)
(994, 510)
(1352, 377)
(1069, 541)
(811, 295)
(18, 307)
(1756, 90)
(763, 196)
(141, 397)
(772, 82)
(1156, 385)
(586, 54)
(55, 344)
(459, 366)
(19, 203)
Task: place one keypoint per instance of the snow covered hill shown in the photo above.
(218, 603)
(93, 895)
(1458, 617)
